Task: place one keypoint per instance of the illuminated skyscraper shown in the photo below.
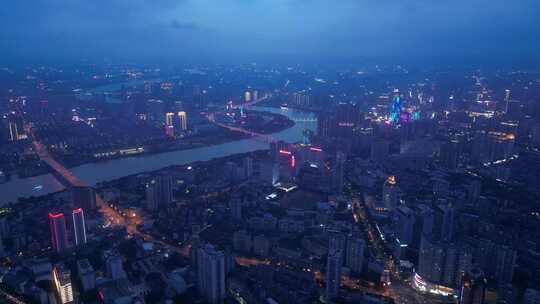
(396, 108)
(391, 193)
(169, 124)
(182, 121)
(79, 226)
(59, 239)
(62, 284)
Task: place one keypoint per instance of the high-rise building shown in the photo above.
(57, 223)
(405, 221)
(507, 94)
(338, 172)
(449, 155)
(79, 226)
(473, 287)
(235, 205)
(380, 149)
(182, 121)
(159, 192)
(261, 245)
(355, 254)
(505, 263)
(333, 274)
(115, 267)
(84, 197)
(87, 276)
(391, 193)
(445, 215)
(169, 124)
(62, 284)
(211, 274)
(242, 241)
(248, 167)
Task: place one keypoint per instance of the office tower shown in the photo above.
(159, 192)
(57, 223)
(84, 197)
(242, 241)
(62, 284)
(79, 226)
(391, 193)
(211, 274)
(182, 121)
(248, 167)
(355, 254)
(473, 287)
(333, 274)
(235, 205)
(505, 263)
(115, 267)
(449, 155)
(338, 172)
(87, 276)
(405, 221)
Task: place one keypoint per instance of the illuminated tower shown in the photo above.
(62, 283)
(397, 108)
(169, 124)
(506, 100)
(79, 226)
(57, 223)
(183, 122)
(391, 193)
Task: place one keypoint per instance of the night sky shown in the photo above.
(176, 29)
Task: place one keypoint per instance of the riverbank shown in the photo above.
(93, 173)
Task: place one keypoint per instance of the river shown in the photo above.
(93, 173)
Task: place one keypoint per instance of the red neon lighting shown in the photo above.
(293, 161)
(285, 152)
(55, 216)
(78, 210)
(315, 149)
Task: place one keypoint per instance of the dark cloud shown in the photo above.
(145, 28)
